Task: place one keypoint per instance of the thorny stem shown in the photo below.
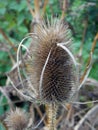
(51, 111)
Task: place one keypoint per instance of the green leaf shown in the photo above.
(20, 18)
(2, 127)
(17, 6)
(22, 29)
(3, 5)
(2, 11)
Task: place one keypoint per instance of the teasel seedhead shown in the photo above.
(51, 69)
(17, 120)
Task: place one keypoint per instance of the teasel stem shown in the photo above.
(44, 7)
(88, 66)
(51, 111)
(37, 8)
(64, 8)
(30, 8)
(8, 40)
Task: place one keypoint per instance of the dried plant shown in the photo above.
(51, 66)
(50, 70)
(17, 120)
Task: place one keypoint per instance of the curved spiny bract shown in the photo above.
(58, 79)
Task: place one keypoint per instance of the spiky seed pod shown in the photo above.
(17, 120)
(51, 69)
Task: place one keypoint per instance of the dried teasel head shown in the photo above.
(51, 69)
(17, 120)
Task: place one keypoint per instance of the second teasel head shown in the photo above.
(51, 69)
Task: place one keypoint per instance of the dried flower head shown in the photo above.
(17, 120)
(51, 69)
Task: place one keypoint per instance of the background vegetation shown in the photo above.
(15, 23)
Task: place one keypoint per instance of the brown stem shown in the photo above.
(44, 7)
(64, 9)
(37, 9)
(40, 113)
(83, 39)
(51, 111)
(9, 41)
(8, 99)
(90, 57)
(31, 10)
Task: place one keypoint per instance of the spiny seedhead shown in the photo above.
(17, 120)
(51, 68)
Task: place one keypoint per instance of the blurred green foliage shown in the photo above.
(15, 21)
